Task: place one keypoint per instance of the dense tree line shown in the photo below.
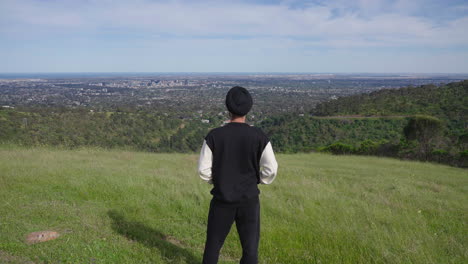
(448, 102)
(425, 123)
(149, 131)
(291, 133)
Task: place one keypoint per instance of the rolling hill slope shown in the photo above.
(448, 102)
(133, 207)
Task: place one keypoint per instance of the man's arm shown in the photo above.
(205, 163)
(268, 165)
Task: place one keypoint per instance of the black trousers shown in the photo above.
(220, 219)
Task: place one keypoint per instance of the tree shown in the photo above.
(426, 130)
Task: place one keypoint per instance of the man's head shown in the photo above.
(238, 101)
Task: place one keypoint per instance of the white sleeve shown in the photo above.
(205, 163)
(268, 165)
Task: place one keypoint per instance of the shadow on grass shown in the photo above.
(169, 247)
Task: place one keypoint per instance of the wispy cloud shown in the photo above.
(301, 25)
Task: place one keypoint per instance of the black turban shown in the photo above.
(239, 101)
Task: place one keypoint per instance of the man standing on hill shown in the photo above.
(235, 158)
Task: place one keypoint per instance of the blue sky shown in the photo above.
(375, 36)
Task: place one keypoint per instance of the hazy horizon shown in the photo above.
(240, 73)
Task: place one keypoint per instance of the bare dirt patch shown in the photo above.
(41, 236)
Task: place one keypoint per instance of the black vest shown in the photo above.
(237, 149)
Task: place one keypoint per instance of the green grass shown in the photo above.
(131, 207)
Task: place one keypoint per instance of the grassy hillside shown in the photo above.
(132, 207)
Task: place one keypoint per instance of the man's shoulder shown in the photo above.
(222, 129)
(259, 131)
(214, 131)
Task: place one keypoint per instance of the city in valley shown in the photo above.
(200, 93)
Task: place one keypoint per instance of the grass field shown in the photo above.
(133, 207)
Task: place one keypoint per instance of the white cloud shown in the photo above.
(363, 23)
(143, 35)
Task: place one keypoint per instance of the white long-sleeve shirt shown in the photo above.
(205, 163)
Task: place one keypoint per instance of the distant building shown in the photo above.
(205, 121)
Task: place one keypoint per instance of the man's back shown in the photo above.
(236, 149)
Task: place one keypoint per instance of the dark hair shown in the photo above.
(232, 115)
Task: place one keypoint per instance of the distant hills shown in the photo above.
(373, 124)
(448, 102)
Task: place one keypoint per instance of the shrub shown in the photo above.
(440, 155)
(463, 158)
(463, 154)
(339, 148)
(426, 130)
(368, 147)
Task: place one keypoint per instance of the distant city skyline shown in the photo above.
(262, 36)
